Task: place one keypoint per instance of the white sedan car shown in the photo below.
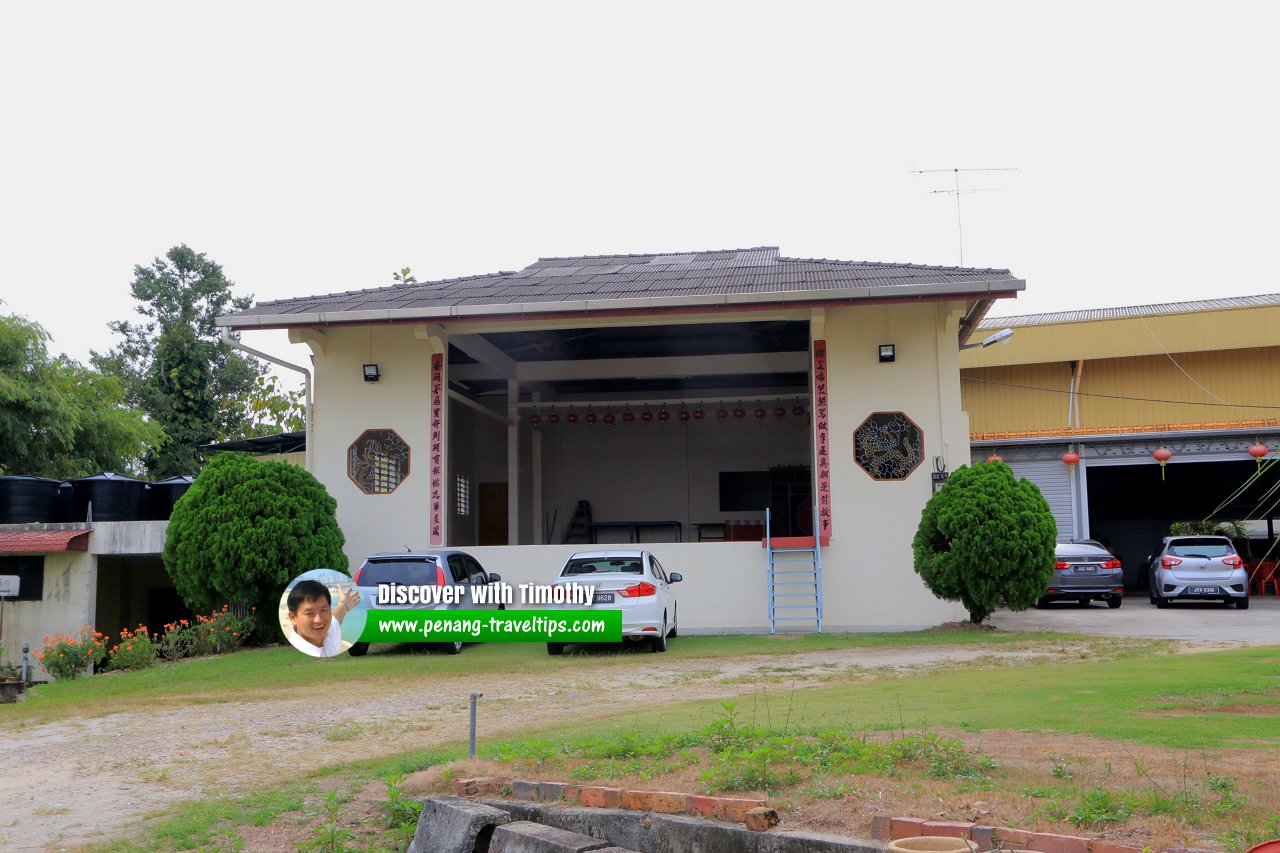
(633, 582)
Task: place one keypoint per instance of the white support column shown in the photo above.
(536, 477)
(513, 463)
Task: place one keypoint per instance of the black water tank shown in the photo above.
(115, 497)
(28, 499)
(165, 493)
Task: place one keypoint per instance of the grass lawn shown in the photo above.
(273, 672)
(1114, 737)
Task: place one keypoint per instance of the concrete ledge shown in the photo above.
(455, 825)
(660, 833)
(528, 837)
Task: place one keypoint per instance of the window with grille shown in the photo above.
(462, 489)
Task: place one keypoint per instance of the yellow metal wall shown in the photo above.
(1236, 376)
(1190, 331)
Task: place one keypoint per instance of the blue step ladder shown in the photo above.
(795, 577)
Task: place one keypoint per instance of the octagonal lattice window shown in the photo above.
(888, 445)
(378, 461)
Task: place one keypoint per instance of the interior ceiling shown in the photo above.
(620, 342)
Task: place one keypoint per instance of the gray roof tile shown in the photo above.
(680, 274)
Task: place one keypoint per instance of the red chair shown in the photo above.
(1262, 575)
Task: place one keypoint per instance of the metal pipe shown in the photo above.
(471, 751)
(306, 376)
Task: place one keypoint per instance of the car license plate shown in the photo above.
(1202, 590)
(602, 598)
(1085, 570)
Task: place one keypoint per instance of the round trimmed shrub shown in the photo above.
(246, 528)
(986, 540)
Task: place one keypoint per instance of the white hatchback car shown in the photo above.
(633, 582)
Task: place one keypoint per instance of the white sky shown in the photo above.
(314, 147)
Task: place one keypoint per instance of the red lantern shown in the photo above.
(572, 417)
(995, 458)
(1070, 458)
(535, 419)
(684, 416)
(1257, 451)
(721, 414)
(591, 417)
(798, 410)
(739, 412)
(1162, 455)
(779, 411)
(698, 414)
(664, 415)
(760, 413)
(628, 418)
(646, 416)
(553, 418)
(609, 419)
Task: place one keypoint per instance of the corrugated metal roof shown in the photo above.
(602, 277)
(1225, 304)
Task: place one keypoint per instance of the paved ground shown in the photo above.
(1209, 622)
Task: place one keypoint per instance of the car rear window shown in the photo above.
(409, 572)
(627, 565)
(1200, 548)
(1080, 551)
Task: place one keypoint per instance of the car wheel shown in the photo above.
(1161, 601)
(1151, 595)
(1242, 603)
(358, 649)
(659, 643)
(454, 648)
(1114, 602)
(1042, 603)
(555, 648)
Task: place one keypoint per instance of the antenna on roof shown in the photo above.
(957, 192)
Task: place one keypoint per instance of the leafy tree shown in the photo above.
(986, 540)
(404, 276)
(271, 408)
(173, 365)
(59, 418)
(246, 528)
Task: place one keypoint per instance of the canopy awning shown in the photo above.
(43, 541)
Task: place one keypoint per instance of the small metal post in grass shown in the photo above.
(472, 750)
(26, 665)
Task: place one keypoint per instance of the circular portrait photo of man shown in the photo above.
(321, 613)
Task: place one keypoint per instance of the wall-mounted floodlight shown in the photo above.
(1000, 337)
(886, 353)
(371, 373)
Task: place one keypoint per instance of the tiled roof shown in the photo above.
(1225, 304)
(712, 277)
(43, 541)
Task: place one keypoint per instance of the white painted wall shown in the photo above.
(723, 590)
(868, 569)
(667, 472)
(70, 591)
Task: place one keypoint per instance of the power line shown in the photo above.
(1117, 396)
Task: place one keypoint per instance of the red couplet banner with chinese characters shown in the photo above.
(820, 437)
(437, 443)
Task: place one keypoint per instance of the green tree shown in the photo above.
(271, 408)
(986, 540)
(181, 295)
(246, 528)
(59, 418)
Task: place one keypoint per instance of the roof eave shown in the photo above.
(984, 291)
